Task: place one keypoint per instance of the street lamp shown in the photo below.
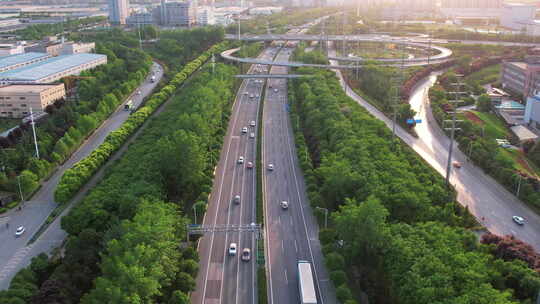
(195, 213)
(325, 216)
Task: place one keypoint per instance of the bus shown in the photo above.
(306, 286)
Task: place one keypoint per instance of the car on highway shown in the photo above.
(270, 167)
(456, 164)
(251, 96)
(284, 205)
(20, 231)
(249, 165)
(232, 249)
(275, 90)
(518, 219)
(244, 130)
(240, 160)
(251, 135)
(246, 254)
(236, 199)
(252, 123)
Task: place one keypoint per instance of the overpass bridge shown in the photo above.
(442, 55)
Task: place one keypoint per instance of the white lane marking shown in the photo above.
(282, 247)
(286, 279)
(295, 246)
(279, 220)
(219, 202)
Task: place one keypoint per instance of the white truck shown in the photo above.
(153, 78)
(129, 105)
(306, 287)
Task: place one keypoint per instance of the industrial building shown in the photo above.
(21, 60)
(54, 47)
(7, 49)
(472, 8)
(404, 9)
(53, 69)
(118, 11)
(517, 16)
(522, 76)
(16, 100)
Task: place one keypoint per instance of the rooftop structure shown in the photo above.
(20, 60)
(532, 112)
(53, 69)
(61, 47)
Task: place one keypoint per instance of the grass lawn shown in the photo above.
(520, 161)
(486, 75)
(494, 126)
(8, 123)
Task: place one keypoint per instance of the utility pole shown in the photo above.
(519, 185)
(344, 46)
(213, 64)
(453, 122)
(20, 189)
(34, 132)
(139, 30)
(238, 28)
(396, 82)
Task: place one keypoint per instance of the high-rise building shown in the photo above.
(471, 4)
(178, 13)
(118, 11)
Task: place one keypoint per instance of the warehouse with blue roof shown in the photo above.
(52, 69)
(20, 60)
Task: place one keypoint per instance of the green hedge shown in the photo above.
(75, 177)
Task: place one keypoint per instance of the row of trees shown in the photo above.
(75, 177)
(39, 31)
(124, 237)
(394, 223)
(70, 123)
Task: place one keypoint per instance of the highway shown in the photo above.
(291, 234)
(14, 252)
(484, 197)
(223, 278)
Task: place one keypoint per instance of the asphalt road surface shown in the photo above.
(14, 252)
(225, 278)
(291, 234)
(486, 199)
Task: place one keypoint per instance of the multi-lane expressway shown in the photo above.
(225, 278)
(292, 233)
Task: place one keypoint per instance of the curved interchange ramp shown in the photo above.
(443, 53)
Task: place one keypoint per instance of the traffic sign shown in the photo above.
(410, 121)
(418, 121)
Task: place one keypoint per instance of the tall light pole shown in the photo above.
(34, 132)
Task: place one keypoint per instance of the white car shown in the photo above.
(251, 135)
(275, 90)
(518, 219)
(284, 205)
(252, 123)
(241, 160)
(139, 92)
(270, 167)
(20, 231)
(236, 199)
(244, 130)
(246, 254)
(249, 165)
(232, 249)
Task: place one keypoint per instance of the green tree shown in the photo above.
(29, 181)
(483, 104)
